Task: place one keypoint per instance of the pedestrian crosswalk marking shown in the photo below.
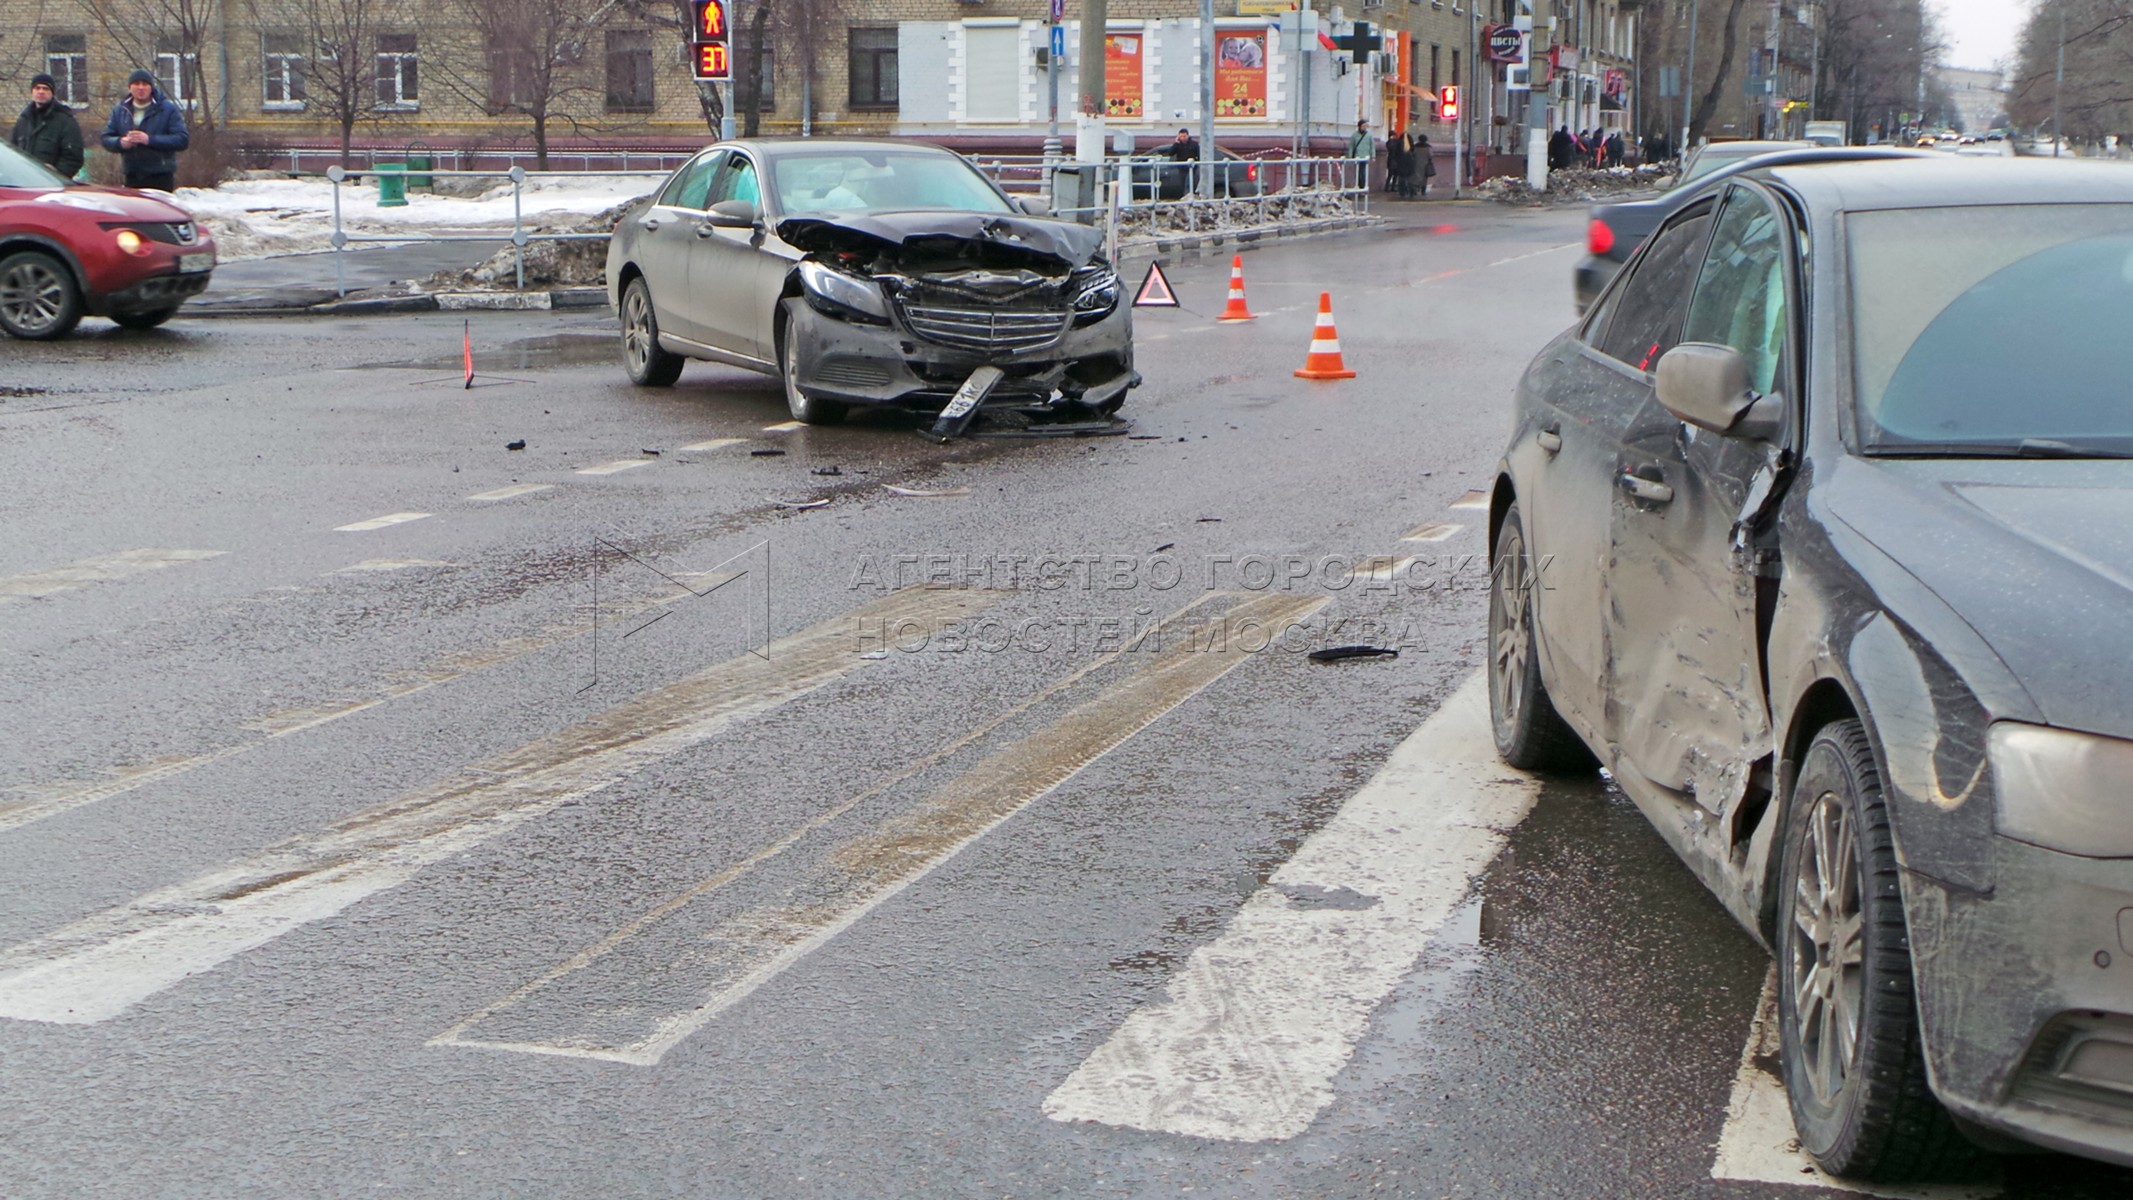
(102, 965)
(1435, 531)
(713, 444)
(100, 569)
(399, 518)
(516, 489)
(1190, 651)
(624, 464)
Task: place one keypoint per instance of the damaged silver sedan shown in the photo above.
(867, 273)
(1817, 532)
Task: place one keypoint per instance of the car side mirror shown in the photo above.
(1036, 206)
(1706, 385)
(732, 214)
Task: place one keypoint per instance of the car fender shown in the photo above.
(29, 240)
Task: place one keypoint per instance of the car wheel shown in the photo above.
(1849, 1042)
(144, 320)
(648, 364)
(809, 410)
(38, 298)
(1530, 734)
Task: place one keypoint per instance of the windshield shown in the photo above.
(20, 170)
(1994, 330)
(881, 181)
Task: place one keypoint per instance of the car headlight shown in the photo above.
(2060, 790)
(1095, 293)
(131, 242)
(835, 294)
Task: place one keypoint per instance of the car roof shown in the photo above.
(1736, 149)
(784, 147)
(1949, 181)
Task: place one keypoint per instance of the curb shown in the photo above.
(1190, 244)
(370, 306)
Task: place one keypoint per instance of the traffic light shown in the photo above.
(710, 20)
(1448, 103)
(713, 61)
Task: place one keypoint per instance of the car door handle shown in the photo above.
(706, 229)
(1549, 440)
(1651, 491)
(649, 222)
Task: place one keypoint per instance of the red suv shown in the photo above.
(69, 251)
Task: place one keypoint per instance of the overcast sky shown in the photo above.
(1981, 33)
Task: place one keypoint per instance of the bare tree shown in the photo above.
(338, 75)
(532, 52)
(1709, 103)
(172, 35)
(2093, 97)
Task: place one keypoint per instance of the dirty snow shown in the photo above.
(260, 218)
(1579, 185)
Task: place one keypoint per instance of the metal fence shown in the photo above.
(317, 160)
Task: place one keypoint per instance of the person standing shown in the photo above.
(1363, 148)
(1184, 150)
(1400, 165)
(147, 131)
(1425, 163)
(47, 130)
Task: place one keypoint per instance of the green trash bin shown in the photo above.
(416, 165)
(392, 184)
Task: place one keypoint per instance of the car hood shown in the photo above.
(946, 234)
(2035, 555)
(122, 203)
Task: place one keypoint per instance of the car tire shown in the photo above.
(1530, 734)
(39, 299)
(648, 363)
(144, 320)
(806, 409)
(1862, 1110)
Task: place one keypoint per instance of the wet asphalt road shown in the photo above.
(375, 814)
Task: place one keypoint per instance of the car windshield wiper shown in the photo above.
(2026, 448)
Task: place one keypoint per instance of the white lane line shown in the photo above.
(1758, 1144)
(1537, 253)
(99, 966)
(1256, 1025)
(618, 465)
(516, 489)
(1378, 567)
(1472, 499)
(1191, 650)
(1435, 531)
(399, 518)
(393, 564)
(713, 444)
(784, 427)
(100, 569)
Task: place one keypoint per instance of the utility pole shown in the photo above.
(1688, 86)
(2059, 83)
(1089, 122)
(1055, 41)
(1207, 98)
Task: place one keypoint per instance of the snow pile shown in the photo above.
(1171, 219)
(576, 262)
(258, 218)
(1578, 185)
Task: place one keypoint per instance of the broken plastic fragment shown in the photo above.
(922, 493)
(520, 444)
(1339, 653)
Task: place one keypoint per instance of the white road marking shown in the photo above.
(784, 427)
(516, 489)
(1255, 1026)
(380, 522)
(624, 464)
(1192, 649)
(393, 564)
(1472, 499)
(99, 966)
(1378, 567)
(1537, 253)
(99, 569)
(1434, 532)
(713, 444)
(1758, 1144)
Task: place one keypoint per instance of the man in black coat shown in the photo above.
(47, 130)
(147, 131)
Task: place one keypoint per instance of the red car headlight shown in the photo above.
(131, 242)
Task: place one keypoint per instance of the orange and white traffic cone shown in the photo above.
(1236, 310)
(1324, 361)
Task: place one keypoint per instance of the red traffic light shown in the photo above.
(710, 20)
(1448, 103)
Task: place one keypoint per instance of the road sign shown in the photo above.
(1669, 82)
(1058, 41)
(1058, 11)
(1155, 290)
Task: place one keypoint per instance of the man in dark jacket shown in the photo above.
(147, 131)
(47, 131)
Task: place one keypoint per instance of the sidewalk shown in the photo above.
(377, 279)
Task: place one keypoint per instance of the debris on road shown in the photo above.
(1577, 185)
(923, 494)
(766, 453)
(803, 504)
(520, 444)
(1333, 654)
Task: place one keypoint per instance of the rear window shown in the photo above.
(1983, 328)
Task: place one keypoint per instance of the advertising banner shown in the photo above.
(1240, 73)
(1122, 75)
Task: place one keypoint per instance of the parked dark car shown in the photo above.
(1236, 178)
(1614, 231)
(865, 272)
(72, 250)
(1817, 532)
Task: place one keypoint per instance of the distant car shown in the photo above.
(71, 250)
(1236, 177)
(1614, 231)
(1814, 534)
(1711, 156)
(867, 272)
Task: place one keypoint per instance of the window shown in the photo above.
(1456, 81)
(1434, 81)
(397, 71)
(66, 60)
(177, 71)
(282, 58)
(629, 70)
(1740, 296)
(737, 182)
(769, 90)
(873, 67)
(691, 186)
(512, 82)
(1648, 306)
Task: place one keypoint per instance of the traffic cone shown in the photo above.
(1324, 361)
(1236, 310)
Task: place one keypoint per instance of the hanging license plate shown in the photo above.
(972, 391)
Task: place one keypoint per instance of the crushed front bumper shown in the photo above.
(853, 363)
(2026, 997)
(152, 294)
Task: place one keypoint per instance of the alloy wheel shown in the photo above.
(32, 296)
(1511, 643)
(637, 330)
(1827, 967)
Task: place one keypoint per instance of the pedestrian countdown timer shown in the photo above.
(711, 57)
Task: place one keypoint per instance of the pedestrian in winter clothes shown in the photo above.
(1425, 163)
(1400, 165)
(1362, 146)
(146, 131)
(47, 130)
(1562, 149)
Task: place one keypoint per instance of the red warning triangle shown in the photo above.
(1155, 290)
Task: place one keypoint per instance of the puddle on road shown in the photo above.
(549, 350)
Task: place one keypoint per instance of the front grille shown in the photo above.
(851, 373)
(974, 328)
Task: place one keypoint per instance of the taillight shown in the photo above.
(1251, 172)
(1599, 239)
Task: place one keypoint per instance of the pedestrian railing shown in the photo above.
(316, 160)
